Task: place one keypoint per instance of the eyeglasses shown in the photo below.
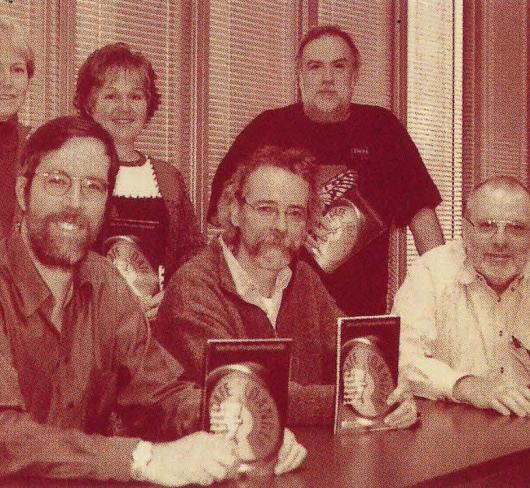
(57, 183)
(270, 212)
(512, 228)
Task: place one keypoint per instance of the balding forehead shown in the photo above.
(502, 197)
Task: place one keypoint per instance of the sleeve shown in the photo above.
(249, 139)
(153, 401)
(192, 311)
(315, 404)
(410, 183)
(415, 303)
(33, 449)
(188, 239)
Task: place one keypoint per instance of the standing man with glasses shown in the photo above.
(465, 306)
(249, 283)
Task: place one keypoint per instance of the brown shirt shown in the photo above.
(58, 389)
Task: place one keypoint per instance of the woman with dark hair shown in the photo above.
(16, 69)
(151, 227)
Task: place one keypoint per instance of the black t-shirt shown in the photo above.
(388, 171)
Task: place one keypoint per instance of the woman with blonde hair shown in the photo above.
(17, 65)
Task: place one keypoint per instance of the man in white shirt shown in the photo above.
(465, 306)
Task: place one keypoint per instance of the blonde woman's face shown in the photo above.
(14, 80)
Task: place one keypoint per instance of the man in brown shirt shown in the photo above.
(74, 343)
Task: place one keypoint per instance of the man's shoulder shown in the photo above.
(99, 271)
(371, 115)
(204, 266)
(444, 261)
(278, 115)
(304, 276)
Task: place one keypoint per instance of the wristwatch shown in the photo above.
(141, 457)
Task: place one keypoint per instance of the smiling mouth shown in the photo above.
(7, 97)
(69, 227)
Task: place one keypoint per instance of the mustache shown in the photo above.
(279, 240)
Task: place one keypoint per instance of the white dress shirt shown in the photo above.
(453, 324)
(249, 292)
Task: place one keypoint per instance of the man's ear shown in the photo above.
(355, 77)
(234, 213)
(20, 189)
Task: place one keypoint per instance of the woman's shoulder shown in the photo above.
(165, 168)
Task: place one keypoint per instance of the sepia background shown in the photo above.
(454, 71)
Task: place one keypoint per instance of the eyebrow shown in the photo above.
(343, 59)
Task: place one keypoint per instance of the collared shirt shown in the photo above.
(453, 324)
(249, 292)
(58, 388)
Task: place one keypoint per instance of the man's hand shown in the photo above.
(406, 414)
(199, 458)
(495, 392)
(150, 304)
(291, 454)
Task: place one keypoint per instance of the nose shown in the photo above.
(327, 74)
(74, 194)
(281, 221)
(499, 238)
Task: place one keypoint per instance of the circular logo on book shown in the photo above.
(241, 407)
(367, 379)
(345, 221)
(131, 262)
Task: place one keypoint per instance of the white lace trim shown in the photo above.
(137, 182)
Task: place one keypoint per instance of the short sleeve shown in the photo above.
(411, 186)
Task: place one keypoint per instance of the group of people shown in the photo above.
(108, 292)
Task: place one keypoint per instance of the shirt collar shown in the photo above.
(30, 284)
(243, 282)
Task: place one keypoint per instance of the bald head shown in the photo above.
(496, 185)
(496, 230)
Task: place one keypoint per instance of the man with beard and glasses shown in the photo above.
(465, 306)
(249, 283)
(371, 175)
(75, 346)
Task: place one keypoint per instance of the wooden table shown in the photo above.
(454, 445)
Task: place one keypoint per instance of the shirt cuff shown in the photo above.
(448, 382)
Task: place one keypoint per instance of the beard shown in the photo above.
(327, 114)
(60, 249)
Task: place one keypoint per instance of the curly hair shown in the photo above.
(297, 161)
(109, 58)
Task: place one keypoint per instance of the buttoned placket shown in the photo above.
(62, 402)
(498, 313)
